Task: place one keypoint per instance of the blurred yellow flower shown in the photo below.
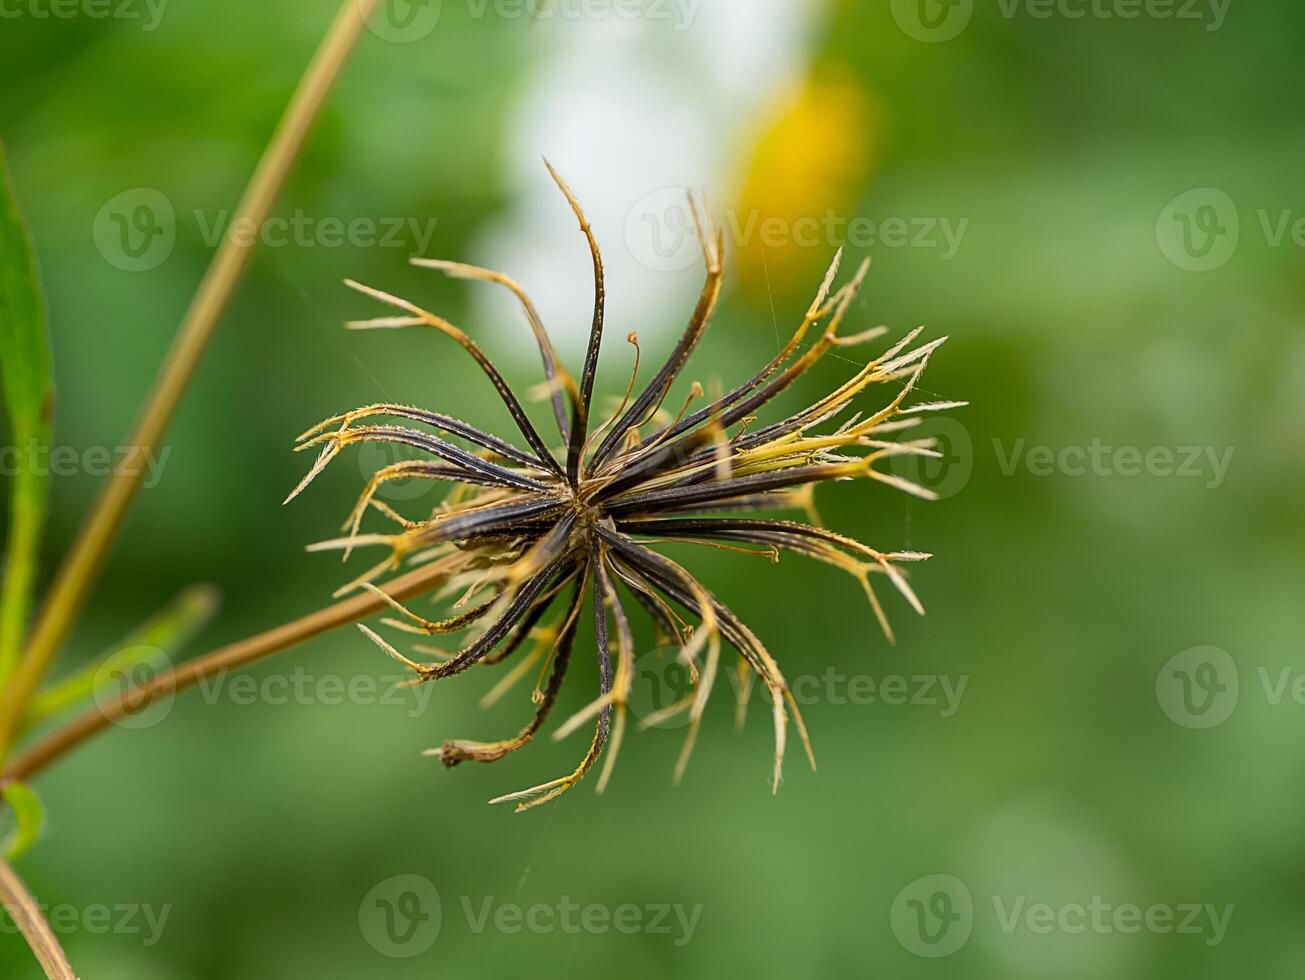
(805, 172)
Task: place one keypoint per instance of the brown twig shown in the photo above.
(235, 655)
(22, 908)
(79, 569)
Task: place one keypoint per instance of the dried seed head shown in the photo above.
(526, 535)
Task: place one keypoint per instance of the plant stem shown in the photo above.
(68, 592)
(26, 914)
(230, 657)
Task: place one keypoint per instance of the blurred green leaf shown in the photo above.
(27, 387)
(29, 818)
(165, 632)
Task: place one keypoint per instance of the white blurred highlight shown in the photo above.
(624, 108)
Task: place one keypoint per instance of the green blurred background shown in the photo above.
(1071, 769)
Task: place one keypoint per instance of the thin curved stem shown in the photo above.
(81, 566)
(26, 914)
(242, 653)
